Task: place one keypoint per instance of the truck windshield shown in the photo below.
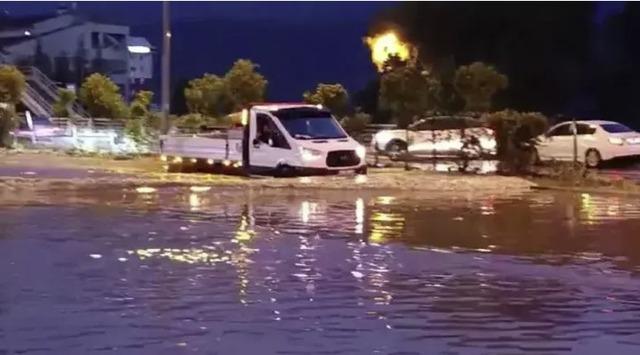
(310, 124)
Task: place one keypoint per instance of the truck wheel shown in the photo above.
(361, 170)
(284, 170)
(592, 158)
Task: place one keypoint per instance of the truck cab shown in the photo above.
(281, 140)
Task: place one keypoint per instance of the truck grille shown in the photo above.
(340, 158)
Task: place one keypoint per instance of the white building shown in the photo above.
(67, 46)
(140, 60)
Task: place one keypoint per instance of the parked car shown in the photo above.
(447, 136)
(597, 141)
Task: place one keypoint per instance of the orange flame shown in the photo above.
(385, 45)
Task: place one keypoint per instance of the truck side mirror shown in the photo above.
(256, 143)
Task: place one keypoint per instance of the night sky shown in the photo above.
(297, 45)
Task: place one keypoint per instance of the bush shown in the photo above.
(12, 84)
(62, 107)
(516, 137)
(355, 123)
(102, 97)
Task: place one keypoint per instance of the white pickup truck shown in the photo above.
(273, 139)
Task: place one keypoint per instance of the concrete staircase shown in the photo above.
(41, 93)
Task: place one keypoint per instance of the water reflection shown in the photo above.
(545, 274)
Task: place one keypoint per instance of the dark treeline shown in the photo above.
(558, 58)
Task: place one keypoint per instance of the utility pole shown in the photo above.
(166, 65)
(575, 143)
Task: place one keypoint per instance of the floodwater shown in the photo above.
(194, 270)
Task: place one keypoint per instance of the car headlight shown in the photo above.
(361, 152)
(616, 140)
(310, 154)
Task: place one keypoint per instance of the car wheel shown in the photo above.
(395, 148)
(592, 158)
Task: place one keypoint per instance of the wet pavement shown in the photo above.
(177, 270)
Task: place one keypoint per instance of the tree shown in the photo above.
(355, 123)
(208, 96)
(477, 83)
(408, 91)
(12, 84)
(543, 48)
(62, 107)
(244, 85)
(332, 96)
(102, 97)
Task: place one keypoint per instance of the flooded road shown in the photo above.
(201, 270)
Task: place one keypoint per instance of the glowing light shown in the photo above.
(245, 117)
(226, 163)
(163, 157)
(200, 188)
(27, 33)
(238, 164)
(210, 161)
(385, 45)
(319, 106)
(194, 160)
(145, 190)
(361, 179)
(139, 49)
(177, 160)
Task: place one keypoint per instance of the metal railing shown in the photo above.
(88, 122)
(35, 102)
(46, 86)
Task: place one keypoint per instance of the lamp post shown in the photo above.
(166, 61)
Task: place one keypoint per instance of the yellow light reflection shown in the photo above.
(361, 179)
(385, 200)
(200, 188)
(194, 202)
(145, 189)
(359, 216)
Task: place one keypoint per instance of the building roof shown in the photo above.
(7, 42)
(13, 23)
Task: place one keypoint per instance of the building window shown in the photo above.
(95, 40)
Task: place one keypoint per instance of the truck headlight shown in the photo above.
(310, 154)
(361, 152)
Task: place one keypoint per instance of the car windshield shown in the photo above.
(310, 124)
(616, 128)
